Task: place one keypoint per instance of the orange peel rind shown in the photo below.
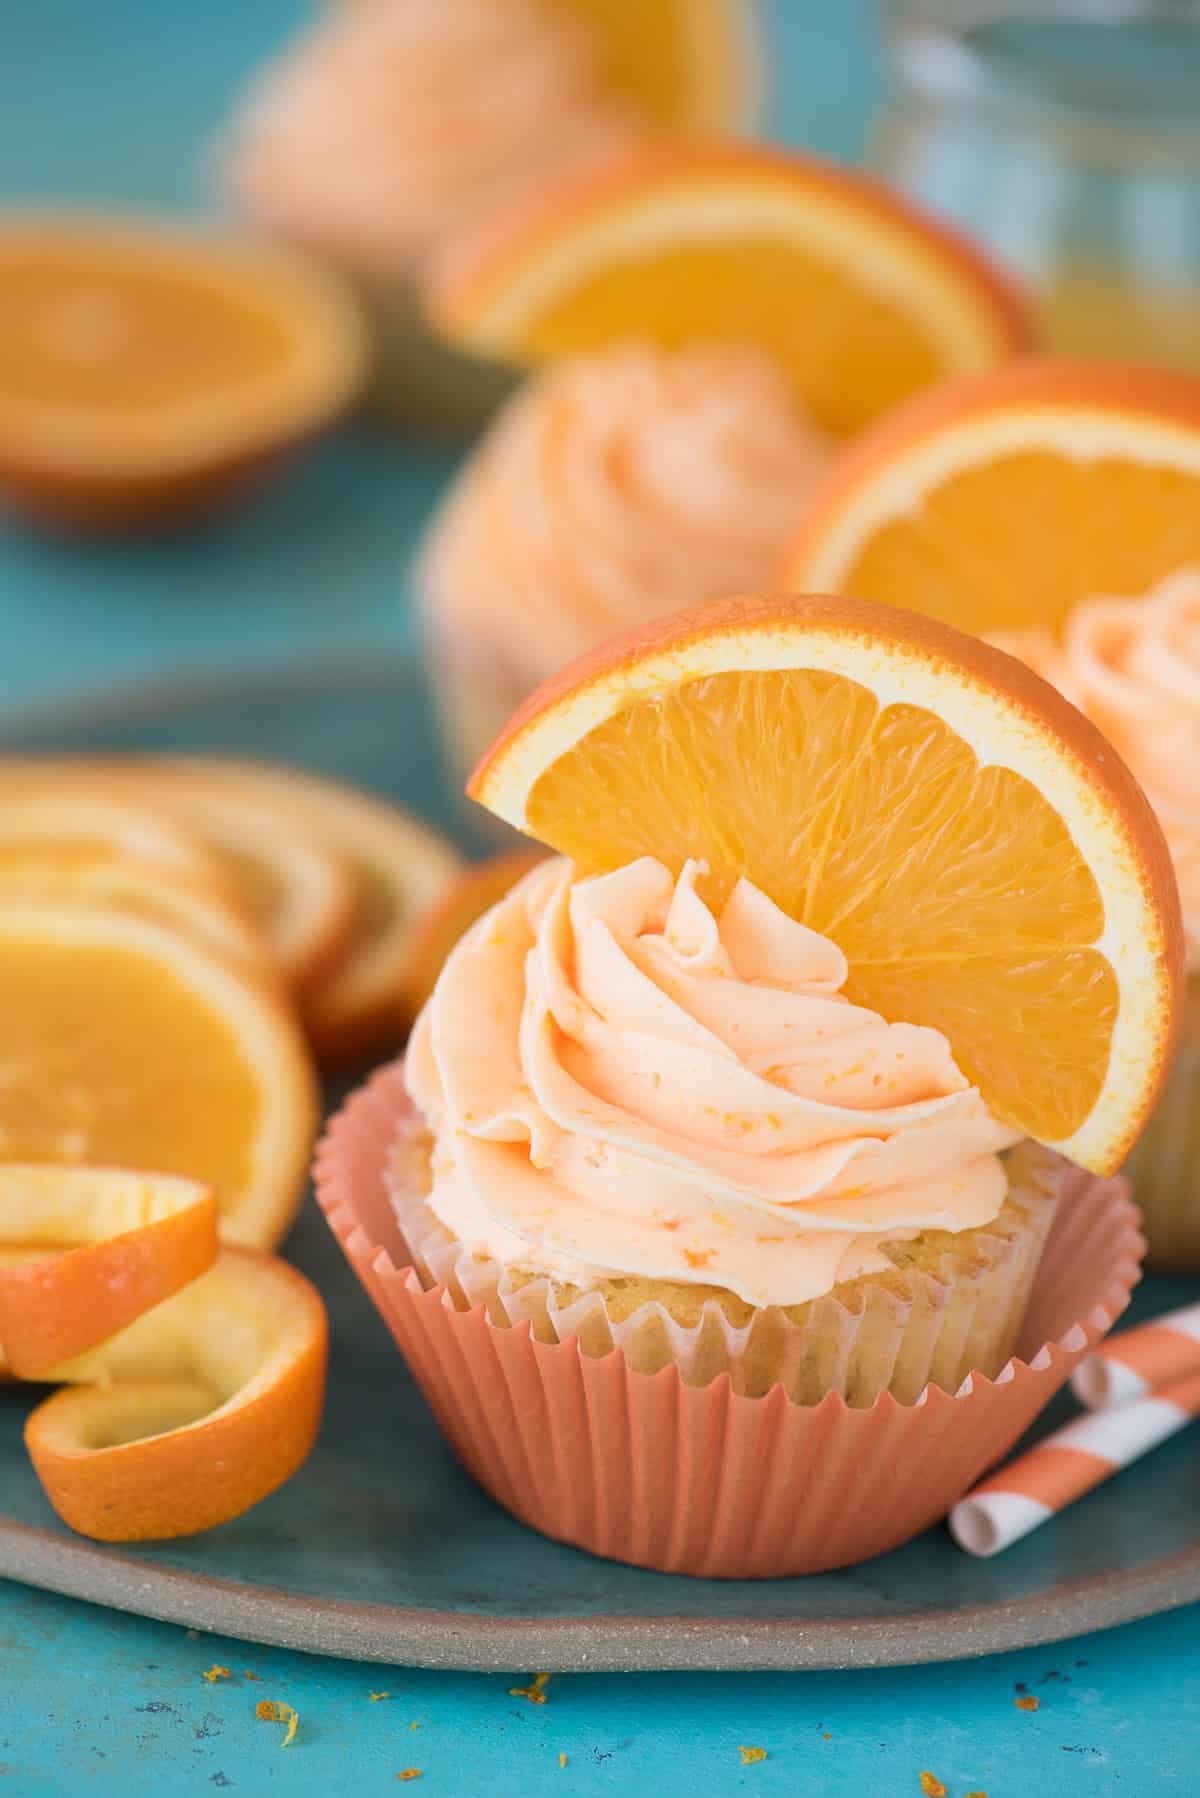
(116, 1244)
(194, 1412)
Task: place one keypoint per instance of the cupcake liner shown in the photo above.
(1165, 1165)
(921, 1326)
(698, 1479)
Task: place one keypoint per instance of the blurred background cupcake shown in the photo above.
(705, 325)
(390, 127)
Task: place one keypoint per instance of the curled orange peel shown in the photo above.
(194, 1412)
(92, 1249)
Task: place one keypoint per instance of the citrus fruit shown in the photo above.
(48, 819)
(860, 299)
(682, 64)
(125, 1043)
(192, 1413)
(464, 899)
(1000, 503)
(132, 883)
(145, 369)
(112, 1245)
(949, 820)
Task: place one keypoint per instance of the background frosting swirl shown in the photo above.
(620, 1082)
(618, 485)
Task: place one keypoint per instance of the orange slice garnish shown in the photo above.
(860, 299)
(112, 1244)
(125, 1043)
(192, 1414)
(682, 64)
(465, 899)
(969, 841)
(145, 370)
(1000, 503)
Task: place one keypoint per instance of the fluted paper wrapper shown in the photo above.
(1165, 1165)
(699, 1479)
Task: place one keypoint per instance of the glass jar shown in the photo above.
(1067, 138)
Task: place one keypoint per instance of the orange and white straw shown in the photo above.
(1072, 1461)
(1140, 1360)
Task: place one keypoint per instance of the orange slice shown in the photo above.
(961, 832)
(127, 1044)
(682, 64)
(1002, 502)
(144, 370)
(398, 866)
(45, 818)
(860, 299)
(465, 899)
(112, 1245)
(128, 883)
(192, 1414)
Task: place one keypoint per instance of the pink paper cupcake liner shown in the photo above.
(685, 1479)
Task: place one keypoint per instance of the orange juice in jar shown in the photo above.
(1067, 137)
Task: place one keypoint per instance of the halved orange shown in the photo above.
(968, 840)
(682, 64)
(861, 299)
(125, 1043)
(1000, 503)
(111, 1244)
(397, 864)
(145, 369)
(437, 929)
(194, 1412)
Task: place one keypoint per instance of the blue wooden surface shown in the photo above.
(110, 101)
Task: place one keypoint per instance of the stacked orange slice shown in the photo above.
(954, 825)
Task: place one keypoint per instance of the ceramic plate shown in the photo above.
(382, 1548)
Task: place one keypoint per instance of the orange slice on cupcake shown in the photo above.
(860, 299)
(144, 371)
(962, 833)
(682, 64)
(126, 1043)
(1000, 503)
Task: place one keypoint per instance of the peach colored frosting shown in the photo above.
(620, 1082)
(1133, 665)
(615, 486)
(395, 122)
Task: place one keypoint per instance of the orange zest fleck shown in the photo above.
(215, 1673)
(697, 1257)
(750, 1755)
(976, 1795)
(270, 1710)
(535, 1691)
(1026, 1702)
(932, 1786)
(410, 1773)
(562, 1760)
(376, 1697)
(246, 1674)
(415, 1724)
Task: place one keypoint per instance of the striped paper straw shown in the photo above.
(1140, 1360)
(1067, 1464)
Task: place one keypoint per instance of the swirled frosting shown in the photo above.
(393, 123)
(1133, 665)
(620, 1082)
(615, 486)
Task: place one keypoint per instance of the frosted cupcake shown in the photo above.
(611, 487)
(1133, 665)
(704, 1206)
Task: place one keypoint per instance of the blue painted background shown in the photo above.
(108, 99)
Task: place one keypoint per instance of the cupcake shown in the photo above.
(1133, 665)
(393, 127)
(611, 486)
(709, 1175)
(704, 325)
